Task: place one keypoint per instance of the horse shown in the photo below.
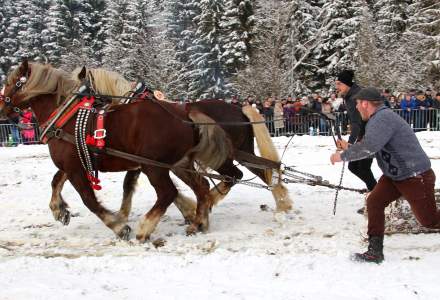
(134, 128)
(240, 124)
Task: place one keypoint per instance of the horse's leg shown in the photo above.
(200, 187)
(57, 204)
(130, 181)
(111, 220)
(279, 191)
(166, 192)
(219, 192)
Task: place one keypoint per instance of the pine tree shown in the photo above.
(424, 29)
(391, 20)
(338, 51)
(124, 37)
(302, 38)
(237, 26)
(91, 18)
(181, 33)
(5, 42)
(207, 73)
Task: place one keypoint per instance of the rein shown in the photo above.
(159, 102)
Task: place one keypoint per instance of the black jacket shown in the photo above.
(356, 124)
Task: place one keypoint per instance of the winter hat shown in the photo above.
(346, 77)
(369, 94)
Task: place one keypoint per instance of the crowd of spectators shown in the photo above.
(288, 115)
(301, 115)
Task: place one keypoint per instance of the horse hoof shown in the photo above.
(124, 234)
(191, 229)
(65, 218)
(142, 238)
(194, 228)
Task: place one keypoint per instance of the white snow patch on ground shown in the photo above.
(247, 253)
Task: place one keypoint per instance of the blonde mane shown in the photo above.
(45, 79)
(105, 82)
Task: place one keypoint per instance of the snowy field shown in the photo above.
(248, 253)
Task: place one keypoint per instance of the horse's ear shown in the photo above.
(24, 66)
(82, 74)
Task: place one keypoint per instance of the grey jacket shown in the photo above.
(392, 140)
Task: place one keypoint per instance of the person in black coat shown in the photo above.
(348, 89)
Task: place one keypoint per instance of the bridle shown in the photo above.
(8, 100)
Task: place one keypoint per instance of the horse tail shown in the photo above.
(268, 151)
(214, 146)
(264, 141)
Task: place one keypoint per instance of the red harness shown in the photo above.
(96, 140)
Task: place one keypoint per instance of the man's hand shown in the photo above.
(335, 157)
(342, 145)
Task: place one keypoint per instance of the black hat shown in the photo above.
(346, 77)
(369, 94)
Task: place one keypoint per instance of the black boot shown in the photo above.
(374, 252)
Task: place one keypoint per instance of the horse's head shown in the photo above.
(12, 96)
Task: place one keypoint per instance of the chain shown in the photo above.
(254, 184)
(338, 188)
(80, 139)
(318, 178)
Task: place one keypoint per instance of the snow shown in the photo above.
(248, 253)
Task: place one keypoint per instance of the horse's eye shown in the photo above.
(23, 79)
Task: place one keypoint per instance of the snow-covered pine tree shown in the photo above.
(391, 18)
(33, 23)
(338, 49)
(64, 36)
(8, 43)
(370, 69)
(237, 33)
(207, 73)
(181, 32)
(424, 27)
(302, 37)
(159, 65)
(91, 18)
(263, 74)
(123, 37)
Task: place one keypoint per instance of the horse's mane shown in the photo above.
(105, 82)
(45, 79)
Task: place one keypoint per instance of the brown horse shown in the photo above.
(233, 120)
(144, 129)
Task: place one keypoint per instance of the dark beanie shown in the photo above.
(369, 94)
(346, 77)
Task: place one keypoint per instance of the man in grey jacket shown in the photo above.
(361, 168)
(406, 169)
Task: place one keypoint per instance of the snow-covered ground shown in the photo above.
(248, 253)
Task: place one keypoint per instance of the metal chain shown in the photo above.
(319, 178)
(78, 124)
(338, 188)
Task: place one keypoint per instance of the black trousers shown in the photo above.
(362, 169)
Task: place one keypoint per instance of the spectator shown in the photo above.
(393, 102)
(234, 101)
(386, 95)
(421, 116)
(259, 105)
(435, 112)
(268, 114)
(326, 109)
(408, 105)
(278, 118)
(27, 132)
